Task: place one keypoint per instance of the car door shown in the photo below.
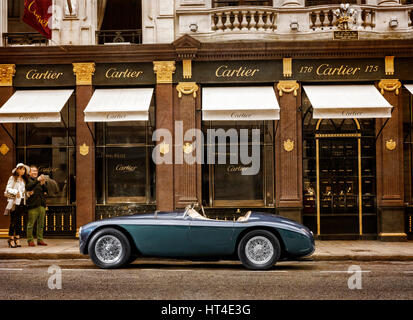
(167, 235)
(211, 237)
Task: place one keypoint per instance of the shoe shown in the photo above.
(41, 243)
(17, 242)
(11, 243)
(31, 244)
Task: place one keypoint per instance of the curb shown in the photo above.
(60, 256)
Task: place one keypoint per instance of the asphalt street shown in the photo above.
(158, 279)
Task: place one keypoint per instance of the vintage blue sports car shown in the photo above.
(257, 239)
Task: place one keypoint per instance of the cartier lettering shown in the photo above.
(115, 116)
(34, 74)
(125, 168)
(352, 113)
(328, 70)
(28, 118)
(114, 73)
(241, 115)
(241, 72)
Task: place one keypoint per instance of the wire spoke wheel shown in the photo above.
(259, 250)
(108, 249)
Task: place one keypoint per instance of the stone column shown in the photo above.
(288, 152)
(7, 147)
(389, 159)
(85, 147)
(164, 115)
(187, 174)
(3, 20)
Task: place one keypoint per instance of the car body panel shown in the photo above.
(169, 234)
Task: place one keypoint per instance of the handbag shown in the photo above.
(11, 196)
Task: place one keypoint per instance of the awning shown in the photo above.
(34, 106)
(239, 103)
(347, 101)
(107, 105)
(409, 87)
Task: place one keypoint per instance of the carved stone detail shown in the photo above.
(7, 72)
(164, 71)
(288, 87)
(187, 88)
(390, 85)
(84, 73)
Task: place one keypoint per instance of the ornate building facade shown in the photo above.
(326, 85)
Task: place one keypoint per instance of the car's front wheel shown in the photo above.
(109, 248)
(259, 250)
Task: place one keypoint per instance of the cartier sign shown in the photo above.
(44, 76)
(124, 74)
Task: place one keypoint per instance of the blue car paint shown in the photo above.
(169, 235)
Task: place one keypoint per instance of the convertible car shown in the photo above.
(257, 239)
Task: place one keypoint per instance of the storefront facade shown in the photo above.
(339, 163)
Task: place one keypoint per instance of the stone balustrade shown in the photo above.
(307, 23)
(244, 20)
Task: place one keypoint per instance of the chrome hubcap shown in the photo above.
(259, 250)
(108, 249)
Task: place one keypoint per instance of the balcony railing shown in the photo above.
(244, 20)
(24, 38)
(119, 36)
(241, 22)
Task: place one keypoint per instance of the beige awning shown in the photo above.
(26, 106)
(107, 105)
(239, 103)
(347, 101)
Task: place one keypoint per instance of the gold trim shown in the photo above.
(77, 233)
(187, 69)
(84, 73)
(338, 135)
(7, 72)
(391, 144)
(187, 88)
(4, 233)
(360, 191)
(287, 67)
(390, 85)
(288, 86)
(384, 234)
(164, 71)
(4, 149)
(389, 65)
(84, 149)
(317, 141)
(288, 145)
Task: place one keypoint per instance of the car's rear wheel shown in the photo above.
(109, 248)
(259, 250)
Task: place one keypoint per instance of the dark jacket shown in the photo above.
(38, 198)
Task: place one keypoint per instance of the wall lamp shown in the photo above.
(393, 23)
(294, 24)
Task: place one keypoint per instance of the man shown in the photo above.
(36, 204)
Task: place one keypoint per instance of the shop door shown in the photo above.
(339, 198)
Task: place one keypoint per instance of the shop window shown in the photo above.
(408, 146)
(125, 172)
(52, 147)
(119, 21)
(225, 3)
(336, 176)
(224, 184)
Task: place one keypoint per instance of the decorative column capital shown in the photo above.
(84, 73)
(7, 72)
(288, 86)
(390, 85)
(187, 88)
(164, 71)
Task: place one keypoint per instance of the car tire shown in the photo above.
(109, 248)
(259, 250)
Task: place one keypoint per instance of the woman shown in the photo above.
(16, 194)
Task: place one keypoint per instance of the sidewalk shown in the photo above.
(325, 250)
